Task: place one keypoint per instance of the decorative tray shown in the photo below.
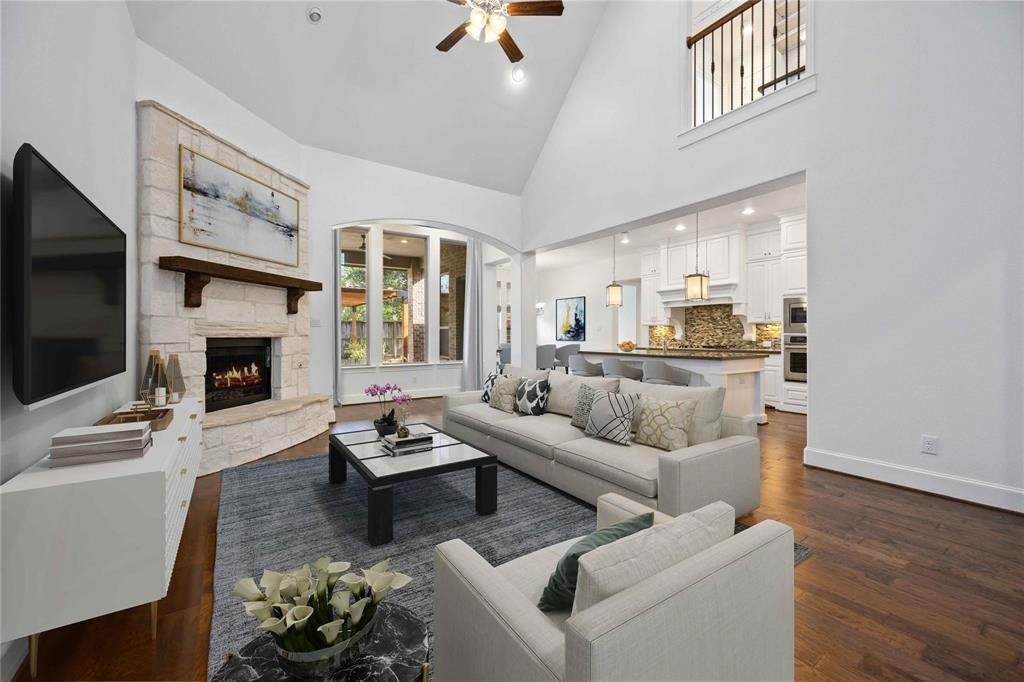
(159, 419)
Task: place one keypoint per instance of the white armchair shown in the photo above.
(723, 614)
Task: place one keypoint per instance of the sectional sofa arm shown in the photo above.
(738, 426)
(613, 508)
(727, 469)
(484, 628)
(678, 625)
(461, 398)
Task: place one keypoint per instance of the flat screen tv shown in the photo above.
(68, 289)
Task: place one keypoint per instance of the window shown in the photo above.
(404, 299)
(452, 299)
(352, 332)
(755, 49)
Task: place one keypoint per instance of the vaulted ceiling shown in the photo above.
(366, 81)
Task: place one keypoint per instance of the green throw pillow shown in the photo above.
(561, 589)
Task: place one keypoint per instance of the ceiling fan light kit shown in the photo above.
(488, 22)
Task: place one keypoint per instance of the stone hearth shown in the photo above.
(234, 435)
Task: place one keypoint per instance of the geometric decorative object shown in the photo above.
(220, 208)
(571, 319)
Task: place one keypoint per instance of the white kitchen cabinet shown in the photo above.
(764, 291)
(794, 233)
(774, 296)
(771, 380)
(651, 310)
(794, 397)
(757, 291)
(794, 273)
(649, 263)
(680, 261)
(764, 245)
(717, 258)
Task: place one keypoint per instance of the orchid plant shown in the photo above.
(302, 609)
(383, 394)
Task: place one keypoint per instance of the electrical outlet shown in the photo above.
(929, 444)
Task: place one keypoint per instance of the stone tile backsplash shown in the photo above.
(706, 326)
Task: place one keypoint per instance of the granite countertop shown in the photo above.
(691, 353)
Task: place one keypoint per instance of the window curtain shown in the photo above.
(472, 357)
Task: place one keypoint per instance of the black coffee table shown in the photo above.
(364, 451)
(397, 649)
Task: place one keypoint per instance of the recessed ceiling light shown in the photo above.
(518, 74)
(680, 227)
(405, 241)
(625, 238)
(749, 210)
(314, 15)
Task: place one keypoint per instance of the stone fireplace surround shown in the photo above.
(235, 435)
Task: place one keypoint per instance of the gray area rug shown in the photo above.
(279, 515)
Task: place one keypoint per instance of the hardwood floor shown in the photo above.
(902, 585)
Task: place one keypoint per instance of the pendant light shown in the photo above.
(613, 292)
(697, 283)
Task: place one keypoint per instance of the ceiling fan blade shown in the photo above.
(458, 2)
(453, 37)
(512, 50)
(536, 8)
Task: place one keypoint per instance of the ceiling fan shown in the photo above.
(488, 20)
(362, 247)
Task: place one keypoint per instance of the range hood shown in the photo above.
(726, 292)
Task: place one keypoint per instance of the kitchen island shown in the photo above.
(739, 371)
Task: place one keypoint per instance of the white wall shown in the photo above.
(68, 88)
(586, 279)
(914, 215)
(167, 82)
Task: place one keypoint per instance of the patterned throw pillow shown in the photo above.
(532, 396)
(489, 385)
(503, 395)
(611, 416)
(664, 423)
(584, 401)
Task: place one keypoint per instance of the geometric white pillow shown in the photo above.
(611, 416)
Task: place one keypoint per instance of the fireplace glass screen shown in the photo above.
(237, 372)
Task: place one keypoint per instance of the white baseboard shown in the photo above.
(969, 489)
(14, 653)
(361, 399)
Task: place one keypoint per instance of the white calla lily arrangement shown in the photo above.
(306, 609)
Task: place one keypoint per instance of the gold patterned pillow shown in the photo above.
(503, 395)
(664, 423)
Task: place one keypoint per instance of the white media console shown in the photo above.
(82, 541)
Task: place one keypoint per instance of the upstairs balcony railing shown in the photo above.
(750, 52)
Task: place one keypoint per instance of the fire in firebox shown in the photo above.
(233, 377)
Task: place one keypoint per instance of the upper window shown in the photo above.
(753, 50)
(452, 299)
(352, 297)
(404, 304)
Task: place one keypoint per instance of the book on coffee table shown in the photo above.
(392, 440)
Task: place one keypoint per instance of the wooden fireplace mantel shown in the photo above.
(199, 272)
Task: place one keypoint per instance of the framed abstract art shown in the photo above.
(220, 208)
(571, 319)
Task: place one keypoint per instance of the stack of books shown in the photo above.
(109, 442)
(396, 446)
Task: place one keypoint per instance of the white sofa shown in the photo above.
(725, 613)
(723, 461)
